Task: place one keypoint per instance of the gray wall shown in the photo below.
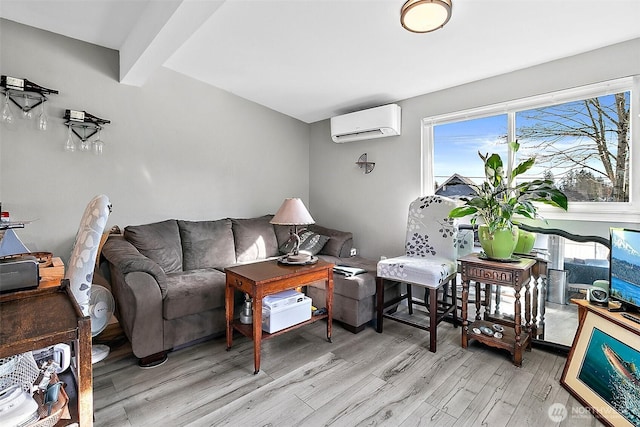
(374, 206)
(176, 148)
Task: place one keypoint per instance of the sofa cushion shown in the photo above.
(159, 241)
(206, 244)
(310, 243)
(193, 292)
(427, 272)
(254, 238)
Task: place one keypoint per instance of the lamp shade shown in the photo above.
(423, 16)
(292, 212)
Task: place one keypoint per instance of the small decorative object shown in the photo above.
(246, 316)
(601, 372)
(84, 126)
(477, 331)
(497, 328)
(294, 213)
(364, 164)
(498, 335)
(486, 330)
(499, 198)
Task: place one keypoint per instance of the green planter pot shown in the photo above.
(526, 240)
(499, 245)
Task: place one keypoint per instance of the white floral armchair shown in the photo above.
(430, 261)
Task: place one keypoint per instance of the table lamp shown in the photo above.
(294, 213)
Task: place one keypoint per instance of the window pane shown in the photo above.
(456, 147)
(583, 145)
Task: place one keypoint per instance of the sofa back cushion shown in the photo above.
(159, 241)
(207, 244)
(254, 238)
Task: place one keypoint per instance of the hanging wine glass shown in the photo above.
(70, 146)
(7, 115)
(42, 118)
(98, 144)
(85, 144)
(26, 110)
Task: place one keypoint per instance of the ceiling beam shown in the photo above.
(162, 29)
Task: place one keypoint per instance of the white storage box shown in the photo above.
(278, 315)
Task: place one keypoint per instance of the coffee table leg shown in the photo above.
(257, 332)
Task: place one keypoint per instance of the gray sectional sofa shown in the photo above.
(168, 278)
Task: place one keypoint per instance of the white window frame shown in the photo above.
(584, 211)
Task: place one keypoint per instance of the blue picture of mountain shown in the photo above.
(625, 245)
(625, 266)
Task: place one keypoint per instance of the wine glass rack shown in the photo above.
(86, 123)
(20, 91)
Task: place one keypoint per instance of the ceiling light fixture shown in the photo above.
(423, 16)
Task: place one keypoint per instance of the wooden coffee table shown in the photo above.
(266, 278)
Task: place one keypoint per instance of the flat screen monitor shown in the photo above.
(625, 267)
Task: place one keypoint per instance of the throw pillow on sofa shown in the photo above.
(310, 243)
(159, 242)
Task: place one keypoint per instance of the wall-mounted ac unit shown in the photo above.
(375, 122)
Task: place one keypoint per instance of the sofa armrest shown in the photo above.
(126, 259)
(139, 311)
(339, 243)
(139, 286)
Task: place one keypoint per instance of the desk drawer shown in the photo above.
(487, 275)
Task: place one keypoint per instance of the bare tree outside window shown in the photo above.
(583, 145)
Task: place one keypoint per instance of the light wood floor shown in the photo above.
(363, 379)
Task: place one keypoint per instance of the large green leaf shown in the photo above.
(522, 167)
(462, 211)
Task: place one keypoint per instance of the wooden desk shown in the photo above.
(511, 274)
(43, 317)
(266, 278)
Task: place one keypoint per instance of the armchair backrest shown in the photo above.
(430, 231)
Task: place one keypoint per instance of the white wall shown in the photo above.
(374, 206)
(176, 148)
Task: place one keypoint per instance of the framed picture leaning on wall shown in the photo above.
(603, 371)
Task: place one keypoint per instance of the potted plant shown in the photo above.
(499, 198)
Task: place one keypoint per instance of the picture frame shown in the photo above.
(601, 372)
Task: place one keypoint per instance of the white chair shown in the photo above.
(83, 255)
(430, 261)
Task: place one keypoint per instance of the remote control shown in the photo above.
(631, 317)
